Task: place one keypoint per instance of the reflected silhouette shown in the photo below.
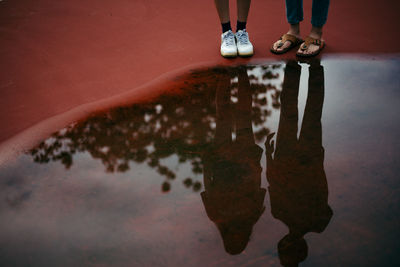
(174, 129)
(233, 197)
(297, 182)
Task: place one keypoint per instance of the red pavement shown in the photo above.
(58, 55)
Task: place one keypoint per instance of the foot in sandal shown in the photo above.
(285, 43)
(312, 45)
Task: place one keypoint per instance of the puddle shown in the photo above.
(273, 164)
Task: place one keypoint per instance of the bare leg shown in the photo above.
(223, 10)
(243, 7)
(316, 32)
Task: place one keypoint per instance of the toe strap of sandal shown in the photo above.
(287, 37)
(309, 40)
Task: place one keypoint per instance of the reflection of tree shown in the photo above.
(297, 182)
(233, 197)
(180, 124)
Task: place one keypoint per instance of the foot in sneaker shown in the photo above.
(244, 47)
(228, 44)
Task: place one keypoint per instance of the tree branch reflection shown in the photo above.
(180, 124)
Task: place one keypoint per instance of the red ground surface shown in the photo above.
(58, 55)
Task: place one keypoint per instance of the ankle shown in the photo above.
(316, 32)
(226, 26)
(240, 25)
(294, 29)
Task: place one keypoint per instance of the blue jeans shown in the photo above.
(294, 12)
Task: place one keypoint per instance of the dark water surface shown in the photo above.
(261, 165)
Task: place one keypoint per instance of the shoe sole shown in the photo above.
(246, 54)
(229, 55)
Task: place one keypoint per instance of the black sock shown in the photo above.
(226, 26)
(240, 25)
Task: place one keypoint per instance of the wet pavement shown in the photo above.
(270, 164)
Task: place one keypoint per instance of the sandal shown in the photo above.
(294, 41)
(304, 46)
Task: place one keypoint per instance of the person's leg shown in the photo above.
(294, 11)
(244, 46)
(222, 7)
(243, 7)
(294, 15)
(319, 16)
(228, 44)
(319, 13)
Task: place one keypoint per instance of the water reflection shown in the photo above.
(233, 197)
(210, 124)
(82, 215)
(180, 124)
(297, 182)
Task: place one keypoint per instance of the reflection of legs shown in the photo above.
(223, 126)
(313, 153)
(224, 115)
(244, 131)
(311, 130)
(292, 248)
(287, 130)
(250, 153)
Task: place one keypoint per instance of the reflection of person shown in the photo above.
(238, 43)
(313, 43)
(233, 197)
(297, 182)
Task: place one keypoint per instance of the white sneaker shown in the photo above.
(244, 47)
(228, 44)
